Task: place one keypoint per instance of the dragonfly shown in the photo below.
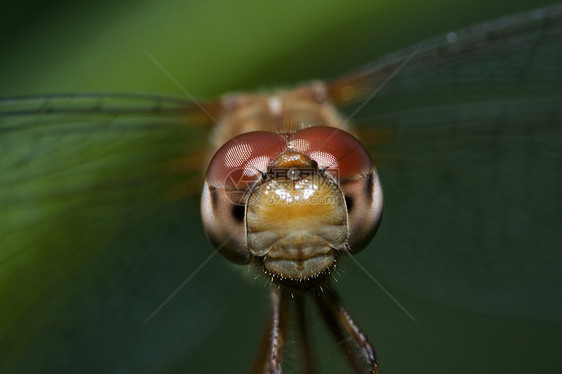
(132, 161)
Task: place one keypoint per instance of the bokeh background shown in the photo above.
(75, 303)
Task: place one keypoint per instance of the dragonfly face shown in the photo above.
(465, 138)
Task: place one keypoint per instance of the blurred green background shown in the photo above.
(78, 304)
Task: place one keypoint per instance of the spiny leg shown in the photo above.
(305, 347)
(269, 358)
(343, 327)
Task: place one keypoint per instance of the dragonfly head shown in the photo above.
(291, 203)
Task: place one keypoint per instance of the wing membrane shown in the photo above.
(93, 188)
(468, 136)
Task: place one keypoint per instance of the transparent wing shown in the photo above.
(93, 189)
(467, 133)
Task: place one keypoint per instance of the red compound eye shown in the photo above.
(333, 150)
(240, 162)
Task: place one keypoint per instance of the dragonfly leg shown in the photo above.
(346, 332)
(269, 358)
(305, 346)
